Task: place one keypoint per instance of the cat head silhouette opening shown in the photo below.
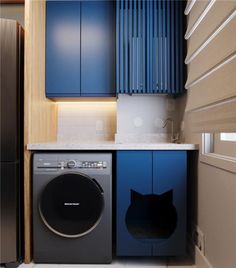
(151, 216)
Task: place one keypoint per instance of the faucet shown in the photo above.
(174, 138)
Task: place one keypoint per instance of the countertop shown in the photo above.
(111, 146)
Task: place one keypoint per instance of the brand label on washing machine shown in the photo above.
(71, 204)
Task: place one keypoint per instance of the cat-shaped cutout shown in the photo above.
(151, 216)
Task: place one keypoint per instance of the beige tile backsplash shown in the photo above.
(134, 116)
(86, 121)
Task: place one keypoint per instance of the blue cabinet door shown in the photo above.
(134, 177)
(98, 48)
(151, 203)
(62, 48)
(149, 47)
(169, 177)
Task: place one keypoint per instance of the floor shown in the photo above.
(123, 263)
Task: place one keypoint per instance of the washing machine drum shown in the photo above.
(71, 205)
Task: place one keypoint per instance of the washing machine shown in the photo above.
(72, 207)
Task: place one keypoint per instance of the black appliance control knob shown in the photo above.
(71, 164)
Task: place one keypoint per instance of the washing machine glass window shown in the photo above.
(71, 205)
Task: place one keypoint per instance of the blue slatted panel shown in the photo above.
(149, 46)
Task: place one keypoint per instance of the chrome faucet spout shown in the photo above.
(173, 137)
(166, 122)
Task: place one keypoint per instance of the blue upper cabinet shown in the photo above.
(149, 46)
(98, 48)
(80, 48)
(63, 49)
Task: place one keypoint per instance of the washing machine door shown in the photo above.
(71, 205)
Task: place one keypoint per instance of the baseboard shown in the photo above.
(200, 260)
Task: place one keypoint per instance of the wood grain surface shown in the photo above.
(40, 121)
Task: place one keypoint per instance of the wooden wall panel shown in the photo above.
(223, 45)
(216, 118)
(219, 86)
(196, 11)
(211, 71)
(40, 123)
(189, 6)
(217, 14)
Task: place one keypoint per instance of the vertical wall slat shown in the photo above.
(122, 47)
(177, 69)
(159, 47)
(164, 46)
(172, 48)
(139, 46)
(130, 48)
(155, 67)
(144, 45)
(148, 48)
(126, 47)
(168, 47)
(181, 12)
(117, 46)
(151, 45)
(135, 44)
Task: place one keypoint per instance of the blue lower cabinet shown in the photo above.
(169, 184)
(151, 203)
(134, 181)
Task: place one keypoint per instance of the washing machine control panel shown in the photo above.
(71, 164)
(92, 164)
